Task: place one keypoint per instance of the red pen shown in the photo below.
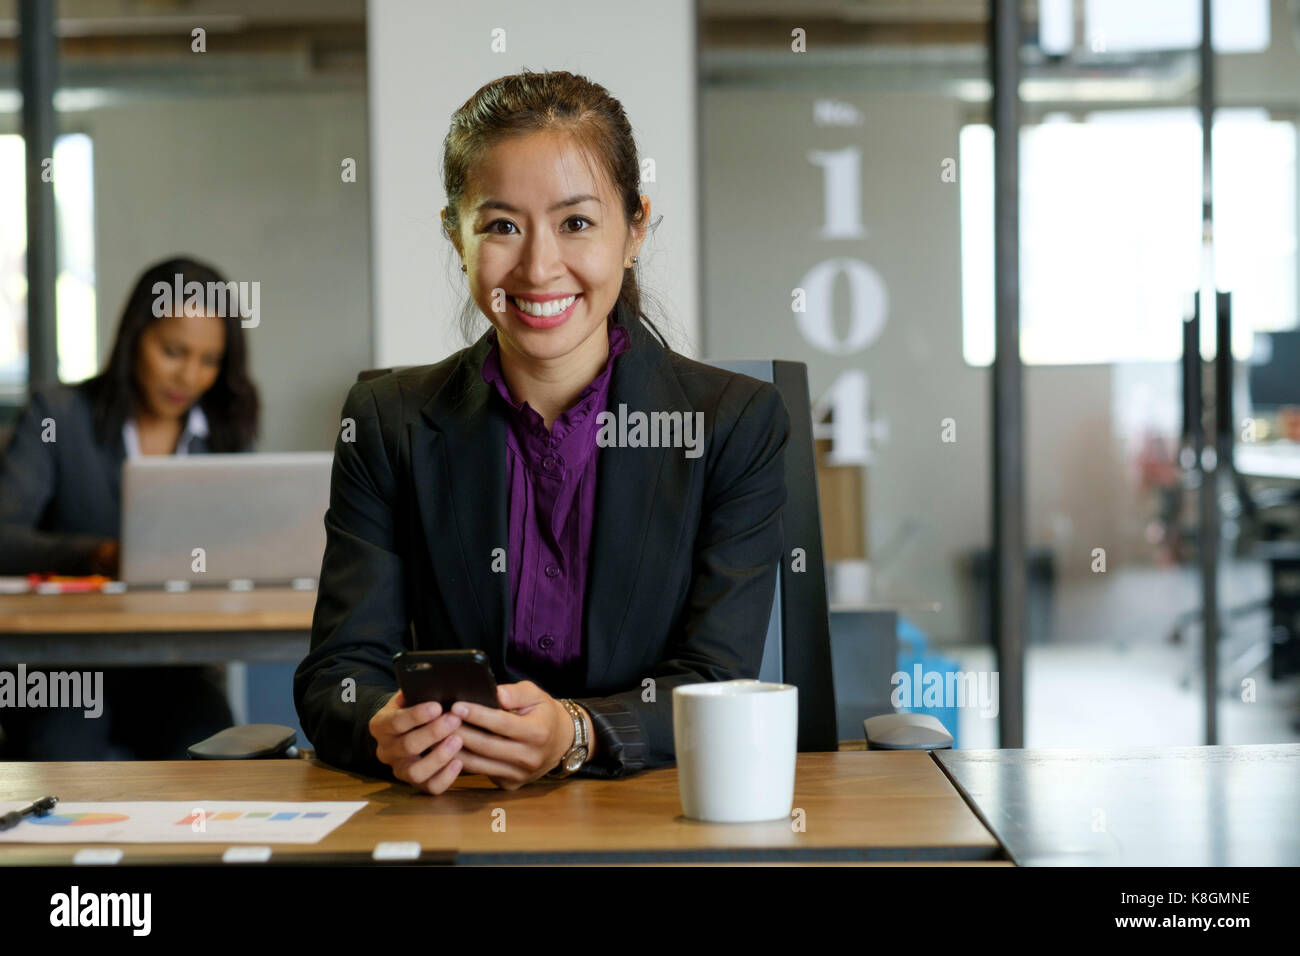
(66, 584)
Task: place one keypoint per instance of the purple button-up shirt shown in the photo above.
(551, 483)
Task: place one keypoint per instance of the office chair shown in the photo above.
(1263, 533)
(798, 645)
(1268, 522)
(798, 648)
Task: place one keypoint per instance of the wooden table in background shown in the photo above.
(868, 806)
(199, 626)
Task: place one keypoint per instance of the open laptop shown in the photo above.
(258, 518)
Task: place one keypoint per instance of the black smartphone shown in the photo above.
(445, 676)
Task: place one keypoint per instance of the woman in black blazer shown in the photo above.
(173, 384)
(461, 507)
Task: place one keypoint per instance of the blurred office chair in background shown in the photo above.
(1257, 523)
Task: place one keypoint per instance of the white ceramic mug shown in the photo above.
(736, 743)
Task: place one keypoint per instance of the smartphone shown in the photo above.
(445, 676)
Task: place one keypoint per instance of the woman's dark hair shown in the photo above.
(231, 405)
(551, 101)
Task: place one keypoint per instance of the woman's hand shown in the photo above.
(417, 743)
(519, 743)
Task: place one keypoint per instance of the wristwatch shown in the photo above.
(577, 754)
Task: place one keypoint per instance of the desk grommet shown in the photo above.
(246, 854)
(396, 851)
(97, 856)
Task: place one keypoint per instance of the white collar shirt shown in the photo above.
(196, 426)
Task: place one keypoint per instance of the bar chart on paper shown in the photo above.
(171, 821)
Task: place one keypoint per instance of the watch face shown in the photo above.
(576, 760)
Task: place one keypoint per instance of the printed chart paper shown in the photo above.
(174, 821)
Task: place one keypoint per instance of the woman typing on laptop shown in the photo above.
(467, 508)
(174, 384)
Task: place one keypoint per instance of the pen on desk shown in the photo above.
(38, 809)
(67, 584)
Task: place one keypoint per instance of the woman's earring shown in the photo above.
(634, 259)
(462, 267)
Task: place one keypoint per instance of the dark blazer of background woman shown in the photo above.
(683, 562)
(61, 499)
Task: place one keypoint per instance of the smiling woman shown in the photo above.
(162, 367)
(546, 273)
(629, 570)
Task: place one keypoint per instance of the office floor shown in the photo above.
(1111, 677)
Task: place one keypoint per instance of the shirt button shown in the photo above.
(549, 462)
(546, 642)
(552, 571)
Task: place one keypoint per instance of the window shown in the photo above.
(75, 284)
(1115, 26)
(1110, 233)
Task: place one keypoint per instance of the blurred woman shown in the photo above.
(174, 384)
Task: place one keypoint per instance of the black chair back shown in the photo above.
(798, 649)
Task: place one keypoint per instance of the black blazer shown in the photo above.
(682, 571)
(61, 499)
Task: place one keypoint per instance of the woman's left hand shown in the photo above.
(521, 742)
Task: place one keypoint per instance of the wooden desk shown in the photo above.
(859, 807)
(1144, 806)
(200, 626)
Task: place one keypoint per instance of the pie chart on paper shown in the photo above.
(78, 819)
(262, 822)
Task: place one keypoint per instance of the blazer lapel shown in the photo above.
(630, 487)
(458, 462)
(459, 466)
